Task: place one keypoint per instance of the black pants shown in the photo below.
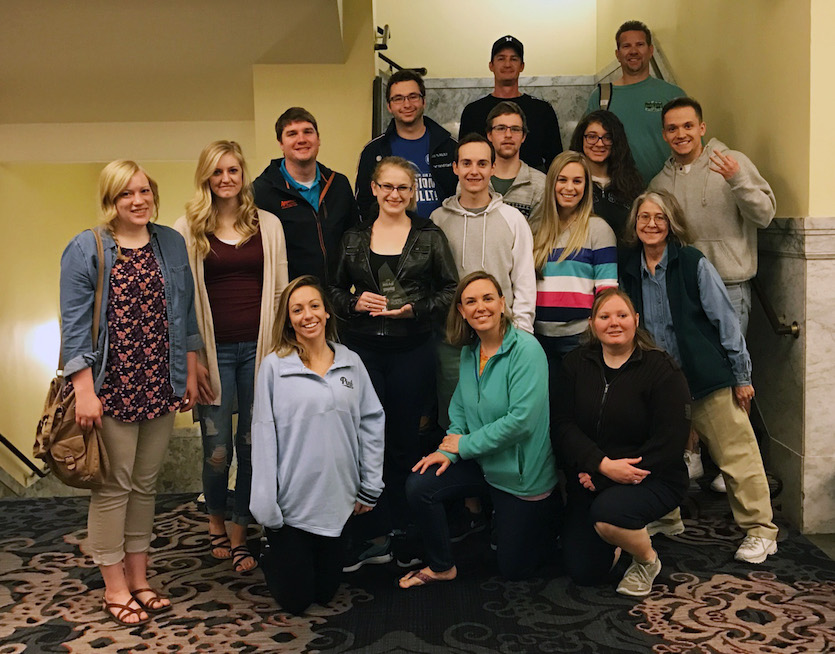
(302, 568)
(586, 556)
(402, 380)
(525, 531)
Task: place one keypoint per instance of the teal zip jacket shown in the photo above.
(502, 416)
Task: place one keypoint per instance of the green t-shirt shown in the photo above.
(501, 185)
(639, 108)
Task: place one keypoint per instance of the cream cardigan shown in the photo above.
(275, 279)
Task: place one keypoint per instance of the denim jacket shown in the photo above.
(78, 291)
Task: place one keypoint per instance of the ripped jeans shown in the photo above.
(236, 363)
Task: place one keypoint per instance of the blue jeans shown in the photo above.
(740, 296)
(236, 364)
(526, 532)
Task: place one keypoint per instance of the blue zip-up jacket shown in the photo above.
(502, 415)
(79, 273)
(317, 443)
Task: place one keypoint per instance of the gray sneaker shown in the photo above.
(365, 553)
(638, 578)
(666, 527)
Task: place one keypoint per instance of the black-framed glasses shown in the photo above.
(592, 139)
(400, 99)
(388, 188)
(513, 129)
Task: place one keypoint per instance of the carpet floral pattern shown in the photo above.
(703, 601)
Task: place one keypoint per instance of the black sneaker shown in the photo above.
(407, 551)
(466, 523)
(367, 552)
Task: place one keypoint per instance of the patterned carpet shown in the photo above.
(703, 601)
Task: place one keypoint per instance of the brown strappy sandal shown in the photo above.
(124, 610)
(155, 600)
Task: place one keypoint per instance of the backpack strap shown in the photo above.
(605, 95)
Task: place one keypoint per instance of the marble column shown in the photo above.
(793, 376)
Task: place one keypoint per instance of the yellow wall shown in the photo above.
(822, 136)
(452, 38)
(338, 95)
(748, 63)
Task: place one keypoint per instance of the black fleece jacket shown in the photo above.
(643, 412)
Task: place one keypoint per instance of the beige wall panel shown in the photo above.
(453, 39)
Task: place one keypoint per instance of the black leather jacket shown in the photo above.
(426, 272)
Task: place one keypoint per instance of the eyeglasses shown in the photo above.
(400, 99)
(645, 219)
(513, 129)
(592, 139)
(388, 188)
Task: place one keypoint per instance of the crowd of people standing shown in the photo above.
(488, 332)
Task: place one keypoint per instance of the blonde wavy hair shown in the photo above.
(201, 210)
(550, 230)
(113, 179)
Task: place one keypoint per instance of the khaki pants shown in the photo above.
(122, 511)
(725, 429)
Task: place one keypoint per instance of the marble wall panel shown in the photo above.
(182, 470)
(820, 358)
(787, 465)
(447, 97)
(819, 494)
(779, 361)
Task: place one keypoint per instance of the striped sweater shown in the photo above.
(565, 295)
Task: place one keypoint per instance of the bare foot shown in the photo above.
(426, 576)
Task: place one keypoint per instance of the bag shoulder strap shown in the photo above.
(96, 301)
(605, 95)
(99, 286)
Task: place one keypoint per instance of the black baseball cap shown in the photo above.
(508, 42)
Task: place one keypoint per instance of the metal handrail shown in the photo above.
(779, 325)
(20, 455)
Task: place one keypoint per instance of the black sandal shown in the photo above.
(240, 554)
(217, 541)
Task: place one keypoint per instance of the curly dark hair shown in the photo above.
(627, 183)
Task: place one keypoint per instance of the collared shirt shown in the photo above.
(309, 193)
(658, 320)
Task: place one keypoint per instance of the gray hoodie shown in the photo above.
(723, 216)
(499, 241)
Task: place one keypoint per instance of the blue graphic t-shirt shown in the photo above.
(417, 151)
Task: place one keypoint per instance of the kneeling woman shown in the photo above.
(622, 420)
(317, 448)
(497, 442)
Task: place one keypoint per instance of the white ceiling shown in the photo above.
(153, 60)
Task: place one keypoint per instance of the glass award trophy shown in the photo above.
(391, 288)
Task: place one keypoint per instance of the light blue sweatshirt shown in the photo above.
(317, 443)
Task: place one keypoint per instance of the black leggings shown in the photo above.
(587, 557)
(302, 568)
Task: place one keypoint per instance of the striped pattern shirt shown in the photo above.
(565, 296)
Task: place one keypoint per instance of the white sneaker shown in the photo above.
(638, 578)
(666, 527)
(755, 549)
(693, 460)
(718, 484)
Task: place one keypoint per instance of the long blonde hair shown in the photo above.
(550, 231)
(284, 341)
(113, 179)
(201, 210)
